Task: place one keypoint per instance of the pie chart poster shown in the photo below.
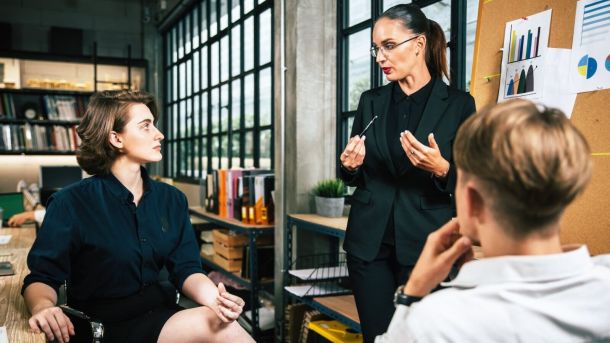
(590, 58)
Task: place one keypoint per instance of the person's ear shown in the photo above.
(475, 203)
(421, 44)
(116, 140)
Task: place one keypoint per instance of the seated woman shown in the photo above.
(108, 236)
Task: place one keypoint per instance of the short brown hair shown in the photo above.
(107, 111)
(532, 160)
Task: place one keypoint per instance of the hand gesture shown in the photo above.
(423, 157)
(443, 249)
(353, 155)
(229, 306)
(54, 323)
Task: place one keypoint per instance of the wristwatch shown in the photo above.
(400, 298)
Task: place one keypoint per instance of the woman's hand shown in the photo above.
(20, 218)
(423, 157)
(54, 323)
(353, 155)
(229, 306)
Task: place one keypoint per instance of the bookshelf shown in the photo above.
(43, 97)
(254, 284)
(340, 307)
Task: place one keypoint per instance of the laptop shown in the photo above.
(11, 203)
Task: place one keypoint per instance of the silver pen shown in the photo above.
(367, 126)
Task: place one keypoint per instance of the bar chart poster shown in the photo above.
(590, 58)
(525, 43)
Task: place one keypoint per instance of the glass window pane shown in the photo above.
(249, 44)
(204, 22)
(215, 110)
(390, 3)
(168, 85)
(224, 14)
(235, 9)
(176, 118)
(196, 74)
(196, 116)
(195, 22)
(189, 77)
(235, 160)
(249, 150)
(204, 113)
(224, 151)
(168, 47)
(224, 107)
(235, 50)
(235, 104)
(249, 100)
(180, 40)
(183, 121)
(204, 155)
(189, 118)
(441, 13)
(248, 6)
(471, 28)
(265, 37)
(359, 10)
(204, 67)
(215, 152)
(214, 64)
(174, 44)
(265, 153)
(175, 83)
(196, 160)
(183, 158)
(187, 34)
(213, 18)
(358, 66)
(265, 92)
(224, 58)
(182, 80)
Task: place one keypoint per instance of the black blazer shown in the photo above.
(421, 202)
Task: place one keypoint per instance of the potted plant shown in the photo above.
(329, 197)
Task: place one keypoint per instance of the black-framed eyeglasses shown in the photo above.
(385, 48)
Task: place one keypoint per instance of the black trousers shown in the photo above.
(374, 284)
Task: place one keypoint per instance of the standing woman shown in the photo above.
(108, 236)
(403, 168)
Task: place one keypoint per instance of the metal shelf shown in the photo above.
(328, 311)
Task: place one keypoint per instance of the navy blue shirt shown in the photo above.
(95, 237)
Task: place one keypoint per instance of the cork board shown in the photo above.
(587, 220)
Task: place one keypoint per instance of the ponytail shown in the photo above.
(436, 57)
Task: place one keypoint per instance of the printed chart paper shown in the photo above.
(523, 58)
(590, 60)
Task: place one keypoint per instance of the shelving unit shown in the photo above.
(43, 97)
(339, 307)
(254, 284)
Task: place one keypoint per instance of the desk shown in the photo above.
(13, 313)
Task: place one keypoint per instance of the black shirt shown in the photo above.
(95, 237)
(404, 113)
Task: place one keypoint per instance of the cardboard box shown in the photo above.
(230, 265)
(228, 252)
(229, 239)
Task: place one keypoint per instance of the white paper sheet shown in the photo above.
(523, 72)
(319, 273)
(4, 239)
(315, 290)
(557, 90)
(590, 61)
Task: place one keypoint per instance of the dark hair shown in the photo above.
(532, 161)
(414, 19)
(107, 111)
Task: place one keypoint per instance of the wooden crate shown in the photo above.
(227, 264)
(230, 240)
(228, 252)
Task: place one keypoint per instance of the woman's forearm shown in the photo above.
(39, 296)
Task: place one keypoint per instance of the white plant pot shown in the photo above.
(329, 207)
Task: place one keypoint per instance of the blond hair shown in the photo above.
(532, 160)
(107, 111)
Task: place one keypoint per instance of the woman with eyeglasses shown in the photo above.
(402, 166)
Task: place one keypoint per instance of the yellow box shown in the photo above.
(335, 331)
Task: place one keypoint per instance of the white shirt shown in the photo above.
(546, 298)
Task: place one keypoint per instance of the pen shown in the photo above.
(368, 125)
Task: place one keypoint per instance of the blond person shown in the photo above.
(519, 166)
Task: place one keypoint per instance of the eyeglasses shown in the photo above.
(385, 48)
